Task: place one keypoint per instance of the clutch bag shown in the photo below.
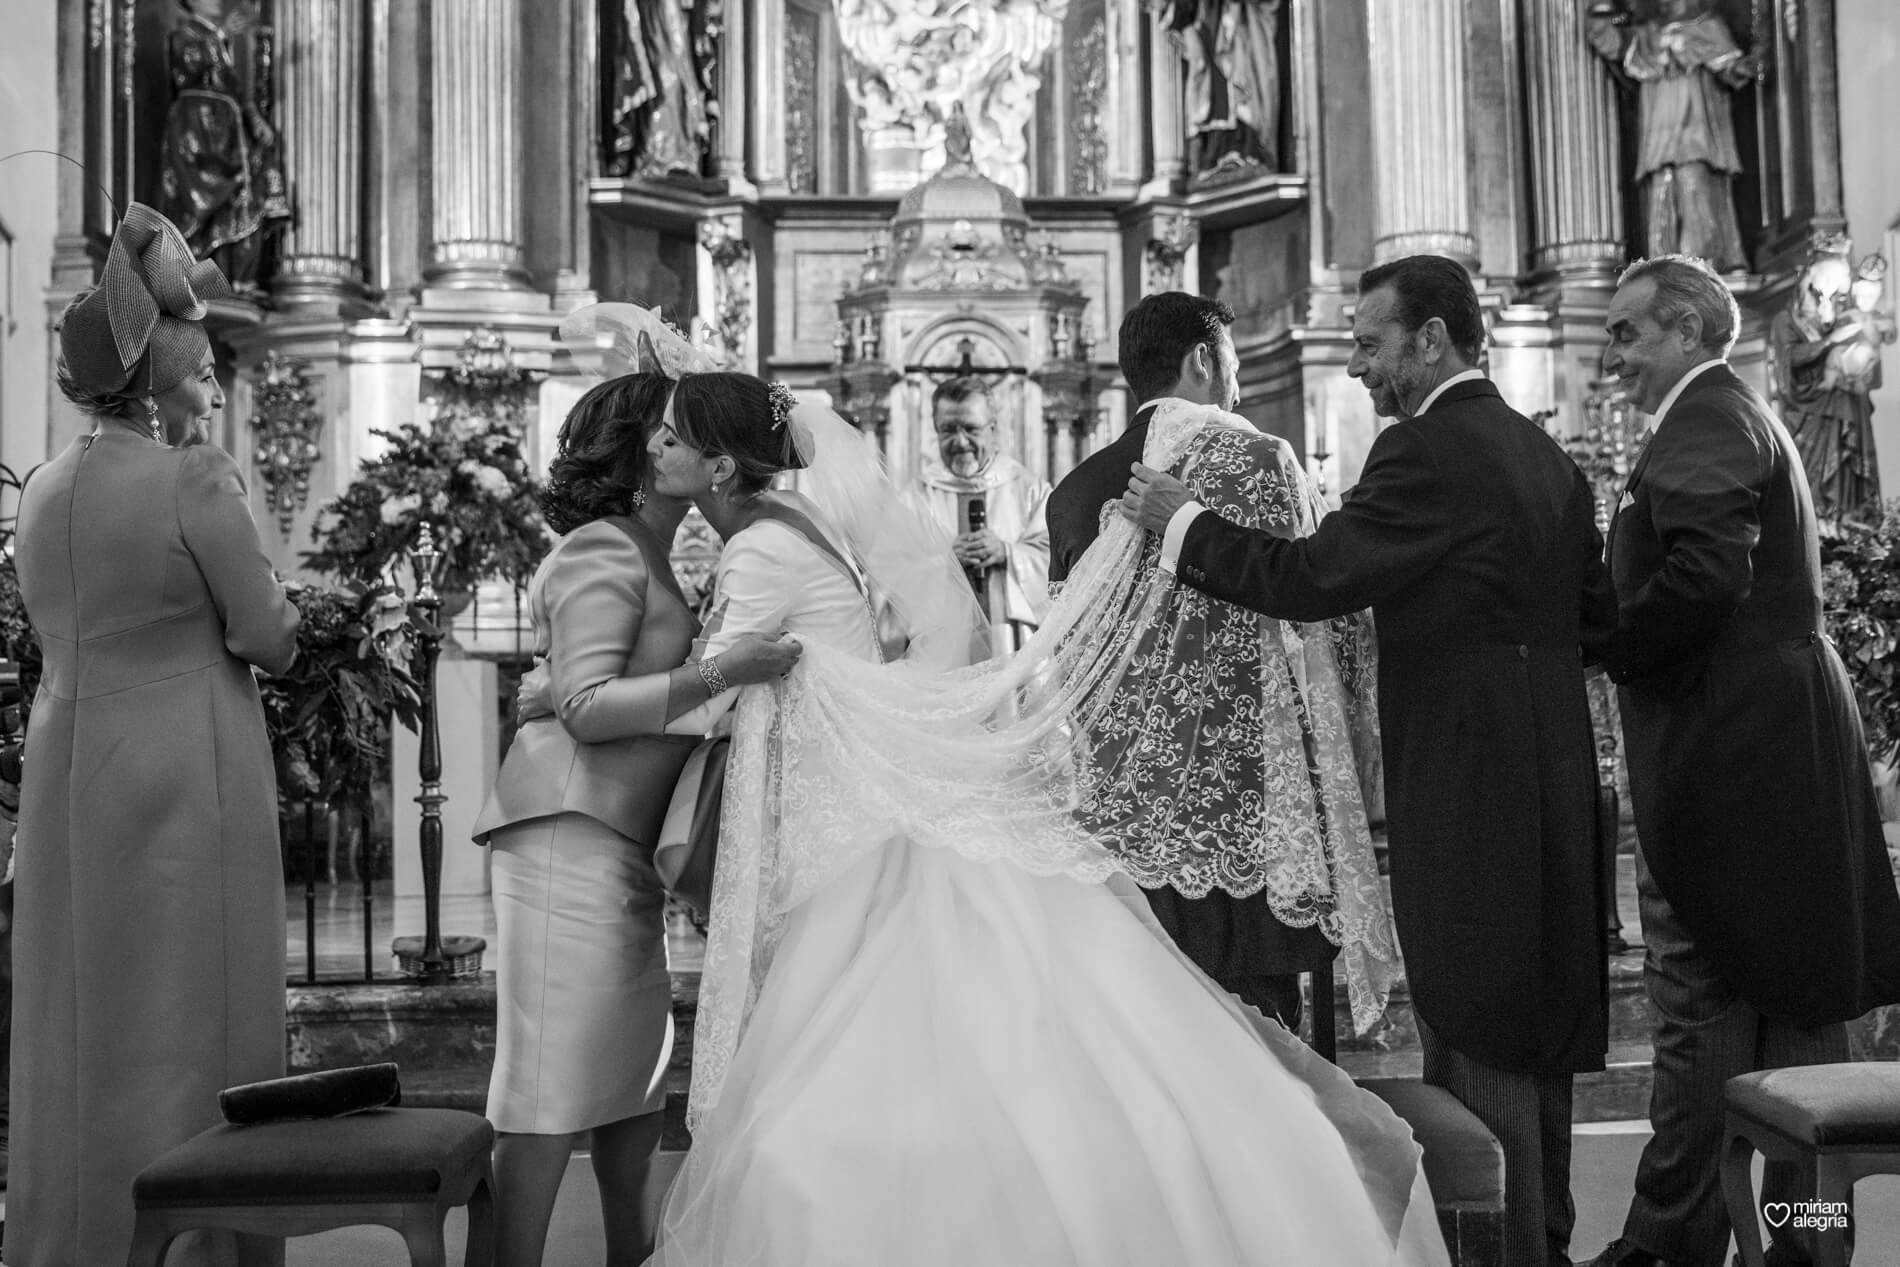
(689, 837)
(329, 1093)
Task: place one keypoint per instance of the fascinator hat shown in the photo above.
(608, 340)
(140, 329)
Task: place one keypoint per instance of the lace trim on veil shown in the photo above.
(1114, 741)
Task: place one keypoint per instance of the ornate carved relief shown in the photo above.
(128, 46)
(662, 89)
(916, 60)
(1088, 99)
(284, 431)
(731, 258)
(801, 102)
(1174, 238)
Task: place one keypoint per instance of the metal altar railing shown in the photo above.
(322, 831)
(317, 844)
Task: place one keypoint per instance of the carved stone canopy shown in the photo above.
(963, 281)
(962, 231)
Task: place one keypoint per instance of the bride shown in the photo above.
(937, 1023)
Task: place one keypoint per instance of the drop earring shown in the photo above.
(151, 417)
(639, 498)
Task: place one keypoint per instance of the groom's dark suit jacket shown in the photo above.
(1472, 536)
(1230, 938)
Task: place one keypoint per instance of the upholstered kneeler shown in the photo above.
(400, 1168)
(1837, 1122)
(1463, 1164)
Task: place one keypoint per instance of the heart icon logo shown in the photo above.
(1776, 1212)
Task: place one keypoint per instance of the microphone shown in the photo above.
(979, 518)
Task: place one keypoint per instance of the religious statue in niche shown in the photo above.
(919, 59)
(1686, 59)
(661, 95)
(1826, 350)
(1233, 82)
(221, 177)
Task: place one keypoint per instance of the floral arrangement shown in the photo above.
(329, 715)
(1860, 586)
(465, 475)
(17, 640)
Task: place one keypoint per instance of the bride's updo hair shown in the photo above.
(740, 417)
(600, 459)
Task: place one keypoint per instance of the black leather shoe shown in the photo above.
(1620, 1253)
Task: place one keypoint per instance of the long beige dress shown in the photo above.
(149, 934)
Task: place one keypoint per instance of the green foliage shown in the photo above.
(465, 476)
(329, 715)
(1860, 581)
(17, 641)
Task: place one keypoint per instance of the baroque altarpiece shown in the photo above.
(857, 196)
(387, 178)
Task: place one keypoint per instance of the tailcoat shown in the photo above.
(1472, 537)
(1747, 759)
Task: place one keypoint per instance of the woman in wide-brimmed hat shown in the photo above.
(149, 935)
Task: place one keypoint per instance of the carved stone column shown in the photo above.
(1418, 130)
(475, 228)
(1167, 128)
(1127, 115)
(729, 275)
(320, 106)
(766, 20)
(735, 102)
(1576, 207)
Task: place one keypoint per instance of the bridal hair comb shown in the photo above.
(783, 402)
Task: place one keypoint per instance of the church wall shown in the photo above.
(1868, 35)
(556, 182)
(29, 119)
(644, 266)
(1495, 140)
(818, 252)
(1341, 139)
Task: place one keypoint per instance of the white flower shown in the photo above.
(439, 504)
(397, 509)
(492, 482)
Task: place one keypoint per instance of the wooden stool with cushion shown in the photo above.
(1837, 1122)
(1463, 1164)
(400, 1168)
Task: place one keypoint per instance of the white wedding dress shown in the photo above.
(953, 1034)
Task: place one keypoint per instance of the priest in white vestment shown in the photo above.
(993, 506)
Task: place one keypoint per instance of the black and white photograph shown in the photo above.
(949, 633)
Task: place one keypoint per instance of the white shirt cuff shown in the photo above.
(1176, 533)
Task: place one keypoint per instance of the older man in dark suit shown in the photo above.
(1177, 345)
(1768, 904)
(1472, 537)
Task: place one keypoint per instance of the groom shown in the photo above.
(1178, 345)
(1472, 536)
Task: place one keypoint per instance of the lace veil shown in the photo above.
(1144, 731)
